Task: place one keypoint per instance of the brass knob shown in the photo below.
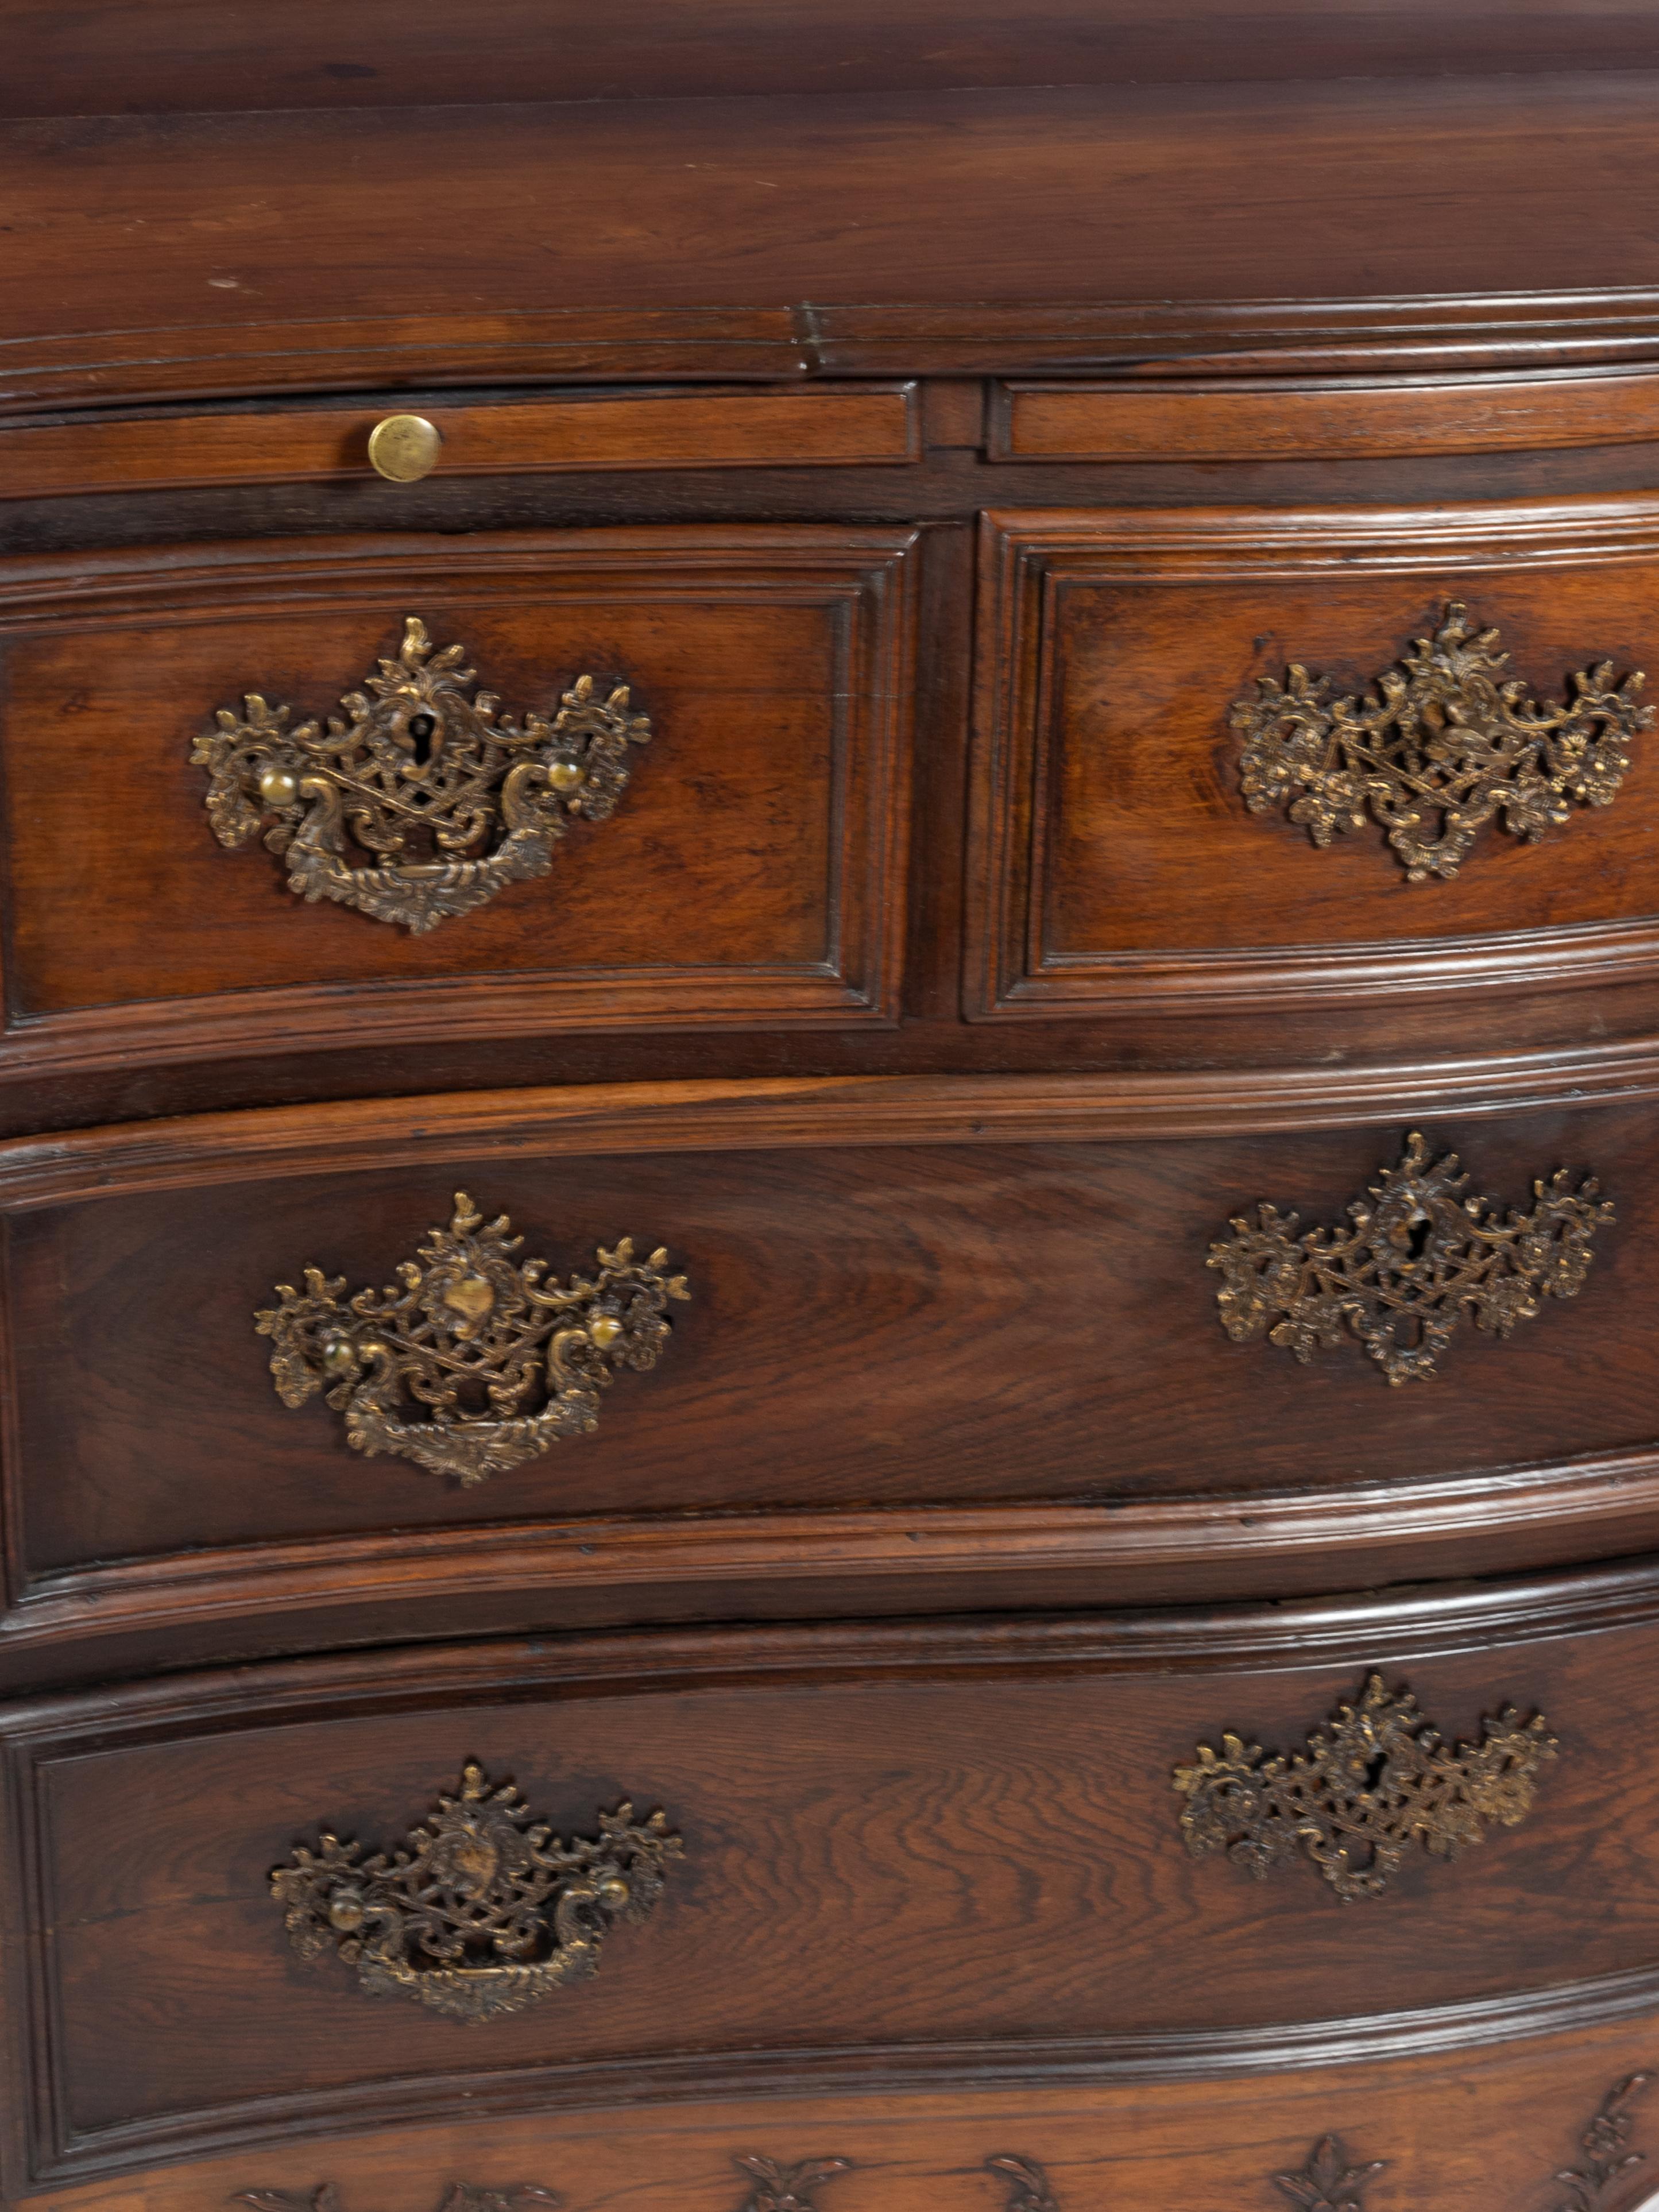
(404, 448)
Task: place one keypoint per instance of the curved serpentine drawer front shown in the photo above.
(1230, 758)
(343, 790)
(730, 1861)
(257, 1365)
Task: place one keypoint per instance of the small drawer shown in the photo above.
(849, 426)
(935, 1338)
(1246, 759)
(330, 792)
(800, 1860)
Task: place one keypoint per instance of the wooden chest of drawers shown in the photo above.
(828, 1192)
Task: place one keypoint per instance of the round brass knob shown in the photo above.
(404, 448)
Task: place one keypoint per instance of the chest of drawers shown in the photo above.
(828, 1184)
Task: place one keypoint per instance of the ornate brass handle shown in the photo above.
(1359, 1792)
(486, 1912)
(1419, 1256)
(445, 802)
(506, 1362)
(1443, 744)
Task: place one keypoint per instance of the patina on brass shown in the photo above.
(422, 802)
(403, 448)
(1361, 1791)
(1419, 1256)
(1444, 744)
(505, 1362)
(486, 1912)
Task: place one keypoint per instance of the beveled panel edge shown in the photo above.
(1026, 553)
(1248, 1544)
(1290, 417)
(1435, 330)
(867, 569)
(181, 449)
(351, 1136)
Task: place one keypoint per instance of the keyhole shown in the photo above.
(423, 728)
(1374, 1771)
(1418, 1235)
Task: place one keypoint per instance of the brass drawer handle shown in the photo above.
(403, 448)
(477, 1337)
(485, 1911)
(1444, 743)
(1360, 1791)
(1418, 1256)
(444, 802)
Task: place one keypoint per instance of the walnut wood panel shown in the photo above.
(138, 263)
(843, 425)
(861, 1807)
(1459, 2140)
(1115, 864)
(1198, 421)
(754, 873)
(127, 56)
(878, 1326)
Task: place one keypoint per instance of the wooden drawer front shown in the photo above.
(944, 1849)
(849, 426)
(1291, 419)
(1117, 864)
(751, 871)
(972, 1324)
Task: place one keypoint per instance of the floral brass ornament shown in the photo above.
(459, 2196)
(1378, 1779)
(505, 1362)
(1329, 2182)
(422, 802)
(1419, 1256)
(487, 1911)
(1443, 744)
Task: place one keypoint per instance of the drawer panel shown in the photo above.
(849, 426)
(1143, 835)
(769, 670)
(874, 1827)
(911, 1319)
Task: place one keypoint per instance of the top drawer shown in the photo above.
(1250, 759)
(443, 744)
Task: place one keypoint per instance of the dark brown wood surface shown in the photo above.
(125, 228)
(1115, 858)
(964, 1843)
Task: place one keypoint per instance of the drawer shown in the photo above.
(929, 1856)
(1219, 764)
(331, 792)
(851, 425)
(960, 1340)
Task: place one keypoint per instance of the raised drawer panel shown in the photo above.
(873, 1323)
(751, 870)
(869, 1829)
(1117, 863)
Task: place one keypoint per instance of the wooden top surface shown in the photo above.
(389, 244)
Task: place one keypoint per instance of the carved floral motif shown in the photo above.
(459, 2196)
(505, 1362)
(1595, 2184)
(1361, 1792)
(1419, 1257)
(1029, 2190)
(1445, 744)
(422, 802)
(787, 2188)
(487, 1911)
(1328, 2183)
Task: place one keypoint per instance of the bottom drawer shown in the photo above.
(931, 1858)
